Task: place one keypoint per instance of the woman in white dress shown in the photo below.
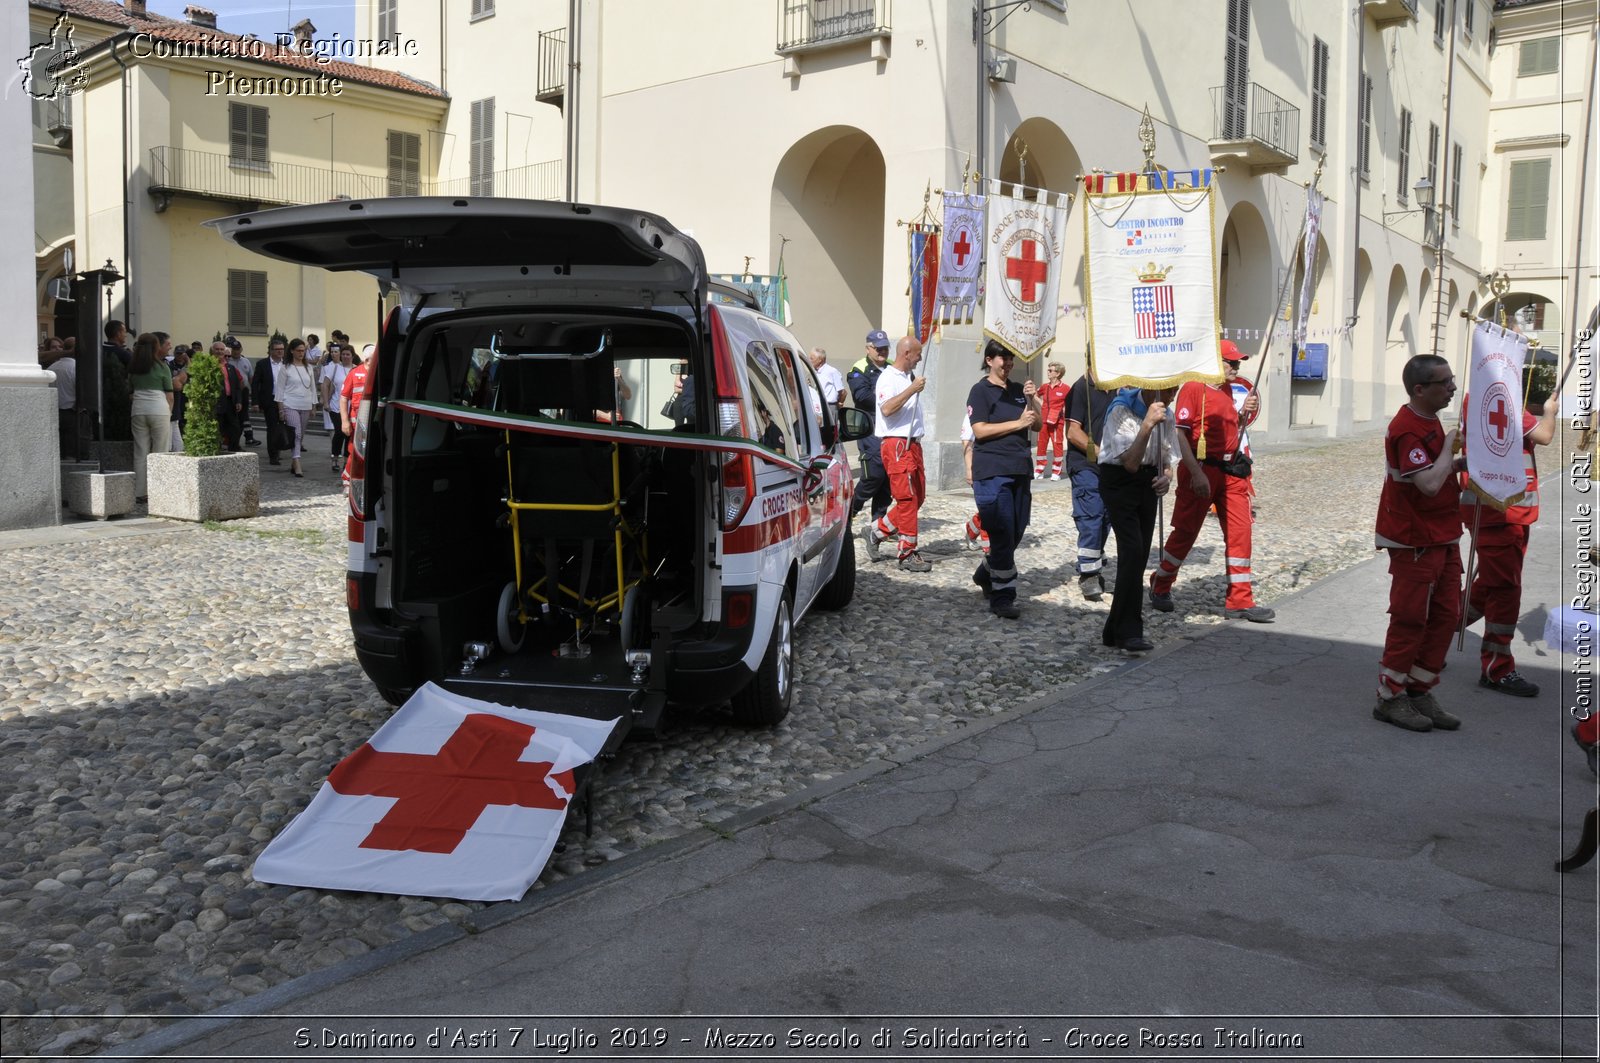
(297, 393)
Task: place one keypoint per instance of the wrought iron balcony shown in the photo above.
(214, 176)
(1262, 129)
(552, 73)
(1388, 12)
(808, 25)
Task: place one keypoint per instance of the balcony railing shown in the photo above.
(1262, 128)
(211, 175)
(552, 72)
(807, 24)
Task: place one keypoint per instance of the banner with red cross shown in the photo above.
(1022, 275)
(1150, 279)
(960, 256)
(1491, 415)
(452, 797)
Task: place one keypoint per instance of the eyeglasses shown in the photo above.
(1444, 380)
(1231, 363)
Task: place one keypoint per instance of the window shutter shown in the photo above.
(1236, 71)
(238, 298)
(1364, 149)
(238, 133)
(1433, 156)
(258, 135)
(1468, 9)
(1405, 154)
(1529, 199)
(1438, 21)
(482, 148)
(1542, 56)
(257, 296)
(1455, 187)
(405, 163)
(1319, 92)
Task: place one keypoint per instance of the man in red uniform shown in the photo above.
(1419, 523)
(1221, 477)
(1502, 543)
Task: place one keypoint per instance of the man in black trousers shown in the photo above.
(264, 389)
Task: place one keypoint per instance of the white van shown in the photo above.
(584, 479)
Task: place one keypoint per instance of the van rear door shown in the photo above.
(486, 252)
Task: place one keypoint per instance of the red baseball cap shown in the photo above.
(1231, 353)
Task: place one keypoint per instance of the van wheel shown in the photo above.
(765, 701)
(838, 591)
(507, 627)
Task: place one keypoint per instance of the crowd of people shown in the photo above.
(1121, 452)
(296, 380)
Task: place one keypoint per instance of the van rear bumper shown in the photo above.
(707, 671)
(384, 651)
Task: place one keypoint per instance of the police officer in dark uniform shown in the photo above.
(873, 484)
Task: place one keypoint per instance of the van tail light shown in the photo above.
(352, 594)
(356, 464)
(738, 609)
(738, 473)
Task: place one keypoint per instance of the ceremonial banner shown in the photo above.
(1313, 229)
(1492, 416)
(452, 797)
(1022, 278)
(924, 281)
(1149, 275)
(770, 290)
(960, 258)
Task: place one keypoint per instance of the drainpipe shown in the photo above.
(1355, 277)
(1444, 183)
(127, 182)
(574, 14)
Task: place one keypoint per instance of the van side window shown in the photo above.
(799, 399)
(774, 425)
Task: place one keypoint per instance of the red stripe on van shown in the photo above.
(753, 538)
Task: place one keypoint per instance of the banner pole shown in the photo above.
(1472, 565)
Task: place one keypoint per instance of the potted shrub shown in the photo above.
(204, 482)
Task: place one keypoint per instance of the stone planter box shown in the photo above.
(115, 455)
(100, 495)
(226, 487)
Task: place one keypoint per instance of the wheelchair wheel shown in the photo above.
(507, 627)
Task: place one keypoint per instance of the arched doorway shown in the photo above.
(1039, 155)
(1400, 334)
(1246, 284)
(827, 218)
(1535, 315)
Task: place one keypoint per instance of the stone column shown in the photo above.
(30, 491)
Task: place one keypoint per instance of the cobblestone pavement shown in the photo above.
(174, 697)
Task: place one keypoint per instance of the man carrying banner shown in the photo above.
(1419, 523)
(1002, 414)
(873, 486)
(1136, 454)
(1215, 470)
(1502, 544)
(900, 426)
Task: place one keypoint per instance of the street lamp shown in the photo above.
(1423, 190)
(108, 277)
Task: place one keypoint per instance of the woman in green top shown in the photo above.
(151, 381)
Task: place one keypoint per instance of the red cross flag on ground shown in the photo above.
(1022, 279)
(452, 797)
(1491, 416)
(960, 257)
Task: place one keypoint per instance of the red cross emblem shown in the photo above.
(1499, 418)
(440, 796)
(1029, 270)
(962, 247)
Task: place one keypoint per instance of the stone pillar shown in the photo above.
(30, 490)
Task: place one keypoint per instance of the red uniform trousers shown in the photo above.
(1231, 495)
(1497, 593)
(1424, 608)
(902, 461)
(976, 536)
(1051, 434)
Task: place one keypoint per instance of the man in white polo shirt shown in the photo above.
(899, 423)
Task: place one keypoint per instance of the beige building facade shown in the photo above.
(812, 128)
